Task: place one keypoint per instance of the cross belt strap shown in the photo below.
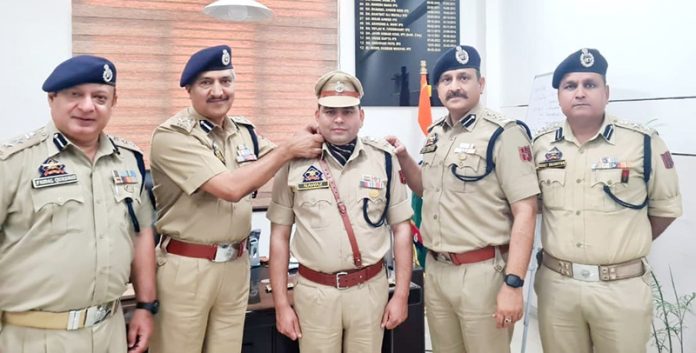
(67, 320)
(594, 273)
(342, 279)
(357, 258)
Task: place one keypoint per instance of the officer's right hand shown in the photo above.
(287, 322)
(306, 143)
(399, 148)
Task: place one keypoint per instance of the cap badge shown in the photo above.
(461, 55)
(225, 57)
(107, 75)
(340, 87)
(586, 58)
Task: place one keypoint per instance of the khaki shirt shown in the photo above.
(462, 216)
(302, 196)
(187, 150)
(68, 246)
(581, 223)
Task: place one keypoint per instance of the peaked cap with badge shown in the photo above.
(338, 89)
(459, 57)
(79, 70)
(209, 59)
(583, 60)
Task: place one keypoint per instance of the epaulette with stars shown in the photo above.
(14, 145)
(121, 142)
(241, 120)
(437, 122)
(183, 122)
(378, 142)
(496, 118)
(552, 127)
(631, 125)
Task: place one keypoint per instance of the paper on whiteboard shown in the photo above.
(543, 106)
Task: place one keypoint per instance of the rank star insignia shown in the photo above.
(52, 173)
(312, 178)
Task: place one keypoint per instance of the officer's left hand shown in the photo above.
(509, 306)
(395, 313)
(139, 331)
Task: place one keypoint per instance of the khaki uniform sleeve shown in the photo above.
(5, 191)
(517, 176)
(282, 198)
(184, 159)
(146, 211)
(400, 205)
(664, 198)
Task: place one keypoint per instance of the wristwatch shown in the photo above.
(513, 281)
(151, 307)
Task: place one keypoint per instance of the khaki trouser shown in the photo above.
(575, 316)
(341, 320)
(460, 302)
(108, 336)
(202, 305)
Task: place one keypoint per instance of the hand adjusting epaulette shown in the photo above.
(379, 143)
(16, 144)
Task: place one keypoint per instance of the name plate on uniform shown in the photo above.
(53, 180)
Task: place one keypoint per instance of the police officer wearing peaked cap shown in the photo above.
(609, 188)
(479, 192)
(75, 224)
(340, 301)
(205, 166)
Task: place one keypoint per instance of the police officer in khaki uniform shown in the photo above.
(341, 294)
(205, 165)
(479, 192)
(609, 188)
(75, 224)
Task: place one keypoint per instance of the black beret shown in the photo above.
(583, 60)
(78, 70)
(459, 57)
(208, 59)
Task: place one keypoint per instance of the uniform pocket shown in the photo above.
(372, 203)
(467, 165)
(551, 182)
(315, 208)
(610, 178)
(59, 206)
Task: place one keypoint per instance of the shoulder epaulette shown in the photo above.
(378, 143)
(19, 143)
(552, 127)
(121, 142)
(631, 125)
(241, 120)
(437, 122)
(496, 117)
(182, 121)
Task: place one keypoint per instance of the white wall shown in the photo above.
(36, 36)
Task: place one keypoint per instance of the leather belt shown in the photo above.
(468, 257)
(594, 273)
(67, 320)
(214, 252)
(342, 279)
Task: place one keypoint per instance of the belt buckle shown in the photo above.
(338, 279)
(587, 273)
(224, 253)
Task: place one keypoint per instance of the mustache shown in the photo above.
(221, 98)
(453, 94)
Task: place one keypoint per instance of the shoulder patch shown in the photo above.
(378, 142)
(16, 144)
(121, 142)
(548, 128)
(242, 120)
(496, 117)
(437, 122)
(631, 125)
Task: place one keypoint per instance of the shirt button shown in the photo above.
(577, 213)
(581, 150)
(60, 199)
(435, 217)
(579, 245)
(452, 138)
(437, 189)
(579, 181)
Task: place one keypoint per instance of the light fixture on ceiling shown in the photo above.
(238, 10)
